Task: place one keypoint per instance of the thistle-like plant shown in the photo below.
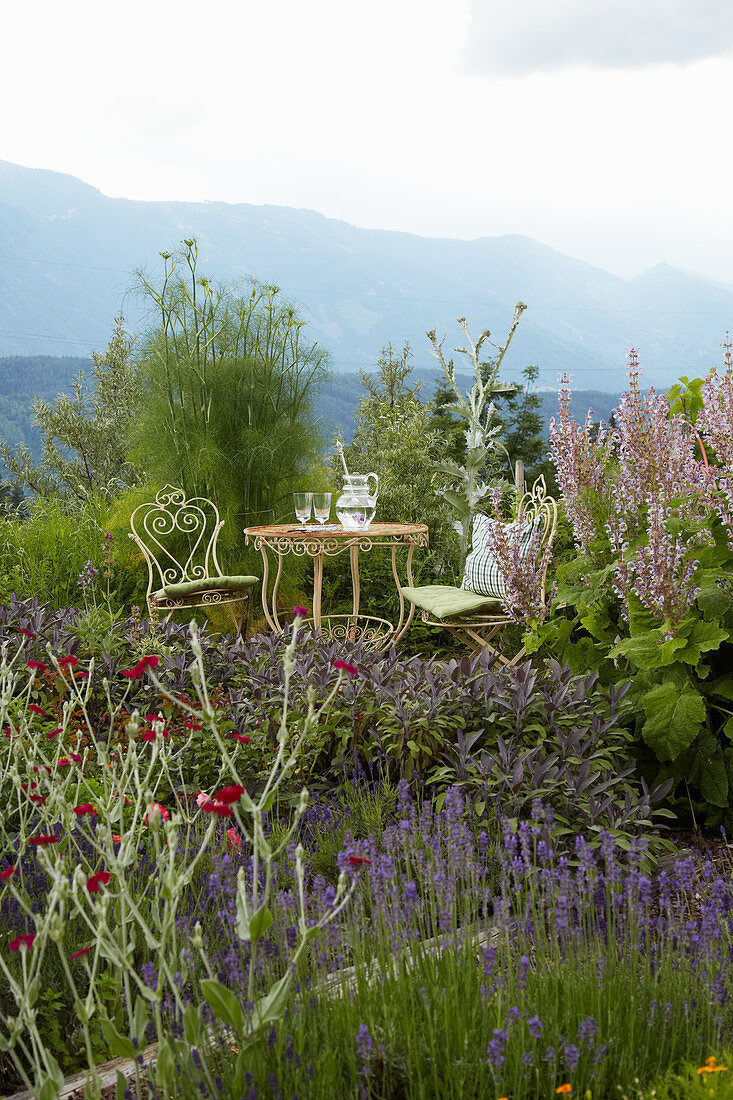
(467, 485)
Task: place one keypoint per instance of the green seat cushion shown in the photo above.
(191, 588)
(443, 601)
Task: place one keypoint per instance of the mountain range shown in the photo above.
(68, 255)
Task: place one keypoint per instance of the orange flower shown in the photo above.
(711, 1066)
(564, 1089)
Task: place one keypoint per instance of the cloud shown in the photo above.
(548, 35)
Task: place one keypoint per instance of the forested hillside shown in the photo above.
(24, 377)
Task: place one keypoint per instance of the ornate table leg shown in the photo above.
(317, 589)
(403, 624)
(355, 586)
(270, 606)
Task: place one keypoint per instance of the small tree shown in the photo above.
(393, 438)
(84, 434)
(470, 481)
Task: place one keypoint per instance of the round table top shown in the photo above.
(336, 531)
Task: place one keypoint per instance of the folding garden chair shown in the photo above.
(473, 618)
(178, 540)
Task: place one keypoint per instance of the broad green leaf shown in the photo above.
(119, 1045)
(259, 924)
(49, 1090)
(121, 1086)
(713, 601)
(702, 638)
(693, 763)
(673, 719)
(165, 1067)
(458, 502)
(224, 1003)
(140, 1020)
(714, 783)
(270, 1008)
(598, 623)
(650, 649)
(192, 1026)
(722, 687)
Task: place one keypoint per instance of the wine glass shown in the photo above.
(322, 506)
(303, 503)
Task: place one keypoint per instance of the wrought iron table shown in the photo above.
(329, 541)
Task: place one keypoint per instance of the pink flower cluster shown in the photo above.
(629, 480)
(523, 569)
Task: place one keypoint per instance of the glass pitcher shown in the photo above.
(356, 506)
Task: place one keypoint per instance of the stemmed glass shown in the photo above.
(322, 507)
(303, 502)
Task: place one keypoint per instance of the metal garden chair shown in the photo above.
(178, 537)
(475, 619)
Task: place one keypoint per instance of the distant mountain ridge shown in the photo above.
(23, 378)
(68, 253)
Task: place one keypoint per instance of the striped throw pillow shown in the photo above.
(482, 573)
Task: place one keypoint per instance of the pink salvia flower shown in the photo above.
(78, 954)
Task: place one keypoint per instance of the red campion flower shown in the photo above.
(145, 662)
(8, 872)
(37, 710)
(27, 633)
(148, 735)
(37, 666)
(234, 840)
(85, 808)
(32, 784)
(160, 809)
(38, 799)
(240, 737)
(82, 675)
(300, 612)
(357, 861)
(189, 725)
(99, 878)
(68, 662)
(346, 667)
(52, 733)
(22, 941)
(229, 794)
(216, 808)
(42, 840)
(78, 954)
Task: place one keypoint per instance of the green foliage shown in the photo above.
(227, 400)
(393, 438)
(45, 545)
(84, 434)
(522, 425)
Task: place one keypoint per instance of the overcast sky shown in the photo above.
(600, 128)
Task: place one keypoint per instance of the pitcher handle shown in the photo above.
(375, 494)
